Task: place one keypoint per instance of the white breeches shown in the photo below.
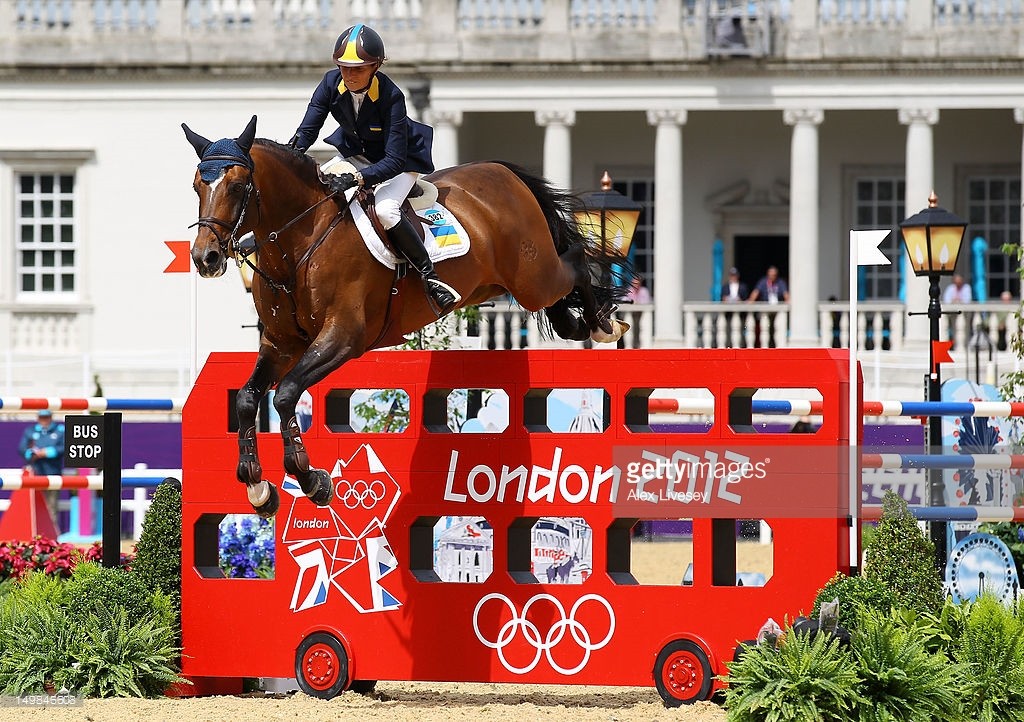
(389, 195)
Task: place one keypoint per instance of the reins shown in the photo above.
(242, 253)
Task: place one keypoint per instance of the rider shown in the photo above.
(388, 149)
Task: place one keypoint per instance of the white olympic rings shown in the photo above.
(554, 635)
(358, 492)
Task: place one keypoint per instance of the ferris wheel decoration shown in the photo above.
(981, 563)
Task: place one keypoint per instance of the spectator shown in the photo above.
(771, 288)
(638, 292)
(957, 291)
(42, 446)
(734, 290)
(1003, 317)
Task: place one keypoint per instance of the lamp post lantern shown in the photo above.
(933, 238)
(609, 217)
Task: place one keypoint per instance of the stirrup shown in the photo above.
(434, 287)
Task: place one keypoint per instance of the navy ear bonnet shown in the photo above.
(222, 154)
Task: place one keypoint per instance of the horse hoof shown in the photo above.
(266, 502)
(323, 489)
(618, 329)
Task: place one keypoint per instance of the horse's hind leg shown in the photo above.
(262, 494)
(322, 357)
(565, 323)
(592, 323)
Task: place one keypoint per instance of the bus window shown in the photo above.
(246, 546)
(573, 411)
(651, 552)
(368, 411)
(235, 546)
(463, 549)
(690, 411)
(744, 552)
(466, 411)
(561, 550)
(775, 411)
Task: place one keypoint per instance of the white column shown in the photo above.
(803, 225)
(1019, 117)
(668, 226)
(557, 145)
(446, 136)
(920, 182)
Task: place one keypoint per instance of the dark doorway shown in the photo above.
(754, 254)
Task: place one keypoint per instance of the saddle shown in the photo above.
(422, 196)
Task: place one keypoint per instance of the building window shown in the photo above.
(993, 213)
(878, 203)
(45, 243)
(641, 252)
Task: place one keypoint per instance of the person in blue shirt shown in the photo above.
(42, 446)
(388, 149)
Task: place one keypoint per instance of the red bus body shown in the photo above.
(373, 588)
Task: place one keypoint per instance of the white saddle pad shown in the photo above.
(444, 235)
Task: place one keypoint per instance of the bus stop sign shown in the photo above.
(83, 441)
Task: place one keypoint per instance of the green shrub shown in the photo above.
(119, 656)
(991, 663)
(95, 589)
(158, 553)
(903, 559)
(900, 680)
(35, 638)
(940, 632)
(807, 680)
(101, 633)
(854, 594)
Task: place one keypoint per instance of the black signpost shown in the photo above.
(94, 442)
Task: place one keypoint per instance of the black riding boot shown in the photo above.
(407, 241)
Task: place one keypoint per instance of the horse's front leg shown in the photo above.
(320, 359)
(262, 494)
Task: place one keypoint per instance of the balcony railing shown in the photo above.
(881, 326)
(149, 33)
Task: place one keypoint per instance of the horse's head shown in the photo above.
(224, 184)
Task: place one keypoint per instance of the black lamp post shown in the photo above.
(933, 238)
(609, 217)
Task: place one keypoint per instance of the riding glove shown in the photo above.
(341, 183)
(294, 143)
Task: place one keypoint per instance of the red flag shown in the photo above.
(940, 353)
(182, 262)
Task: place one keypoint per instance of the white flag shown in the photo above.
(866, 245)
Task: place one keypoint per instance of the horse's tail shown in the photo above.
(612, 271)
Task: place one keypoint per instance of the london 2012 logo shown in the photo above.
(343, 547)
(547, 631)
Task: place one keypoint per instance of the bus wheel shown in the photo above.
(321, 666)
(363, 686)
(682, 674)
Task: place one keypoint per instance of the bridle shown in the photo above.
(213, 224)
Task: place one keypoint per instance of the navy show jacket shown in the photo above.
(382, 133)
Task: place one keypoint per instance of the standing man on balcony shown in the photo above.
(957, 291)
(770, 289)
(375, 135)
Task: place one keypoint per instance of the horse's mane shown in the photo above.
(302, 164)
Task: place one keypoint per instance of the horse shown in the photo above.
(323, 299)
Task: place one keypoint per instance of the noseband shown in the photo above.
(231, 240)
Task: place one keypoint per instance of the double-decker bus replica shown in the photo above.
(480, 532)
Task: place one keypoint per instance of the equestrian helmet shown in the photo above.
(359, 45)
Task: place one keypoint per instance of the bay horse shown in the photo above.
(323, 299)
